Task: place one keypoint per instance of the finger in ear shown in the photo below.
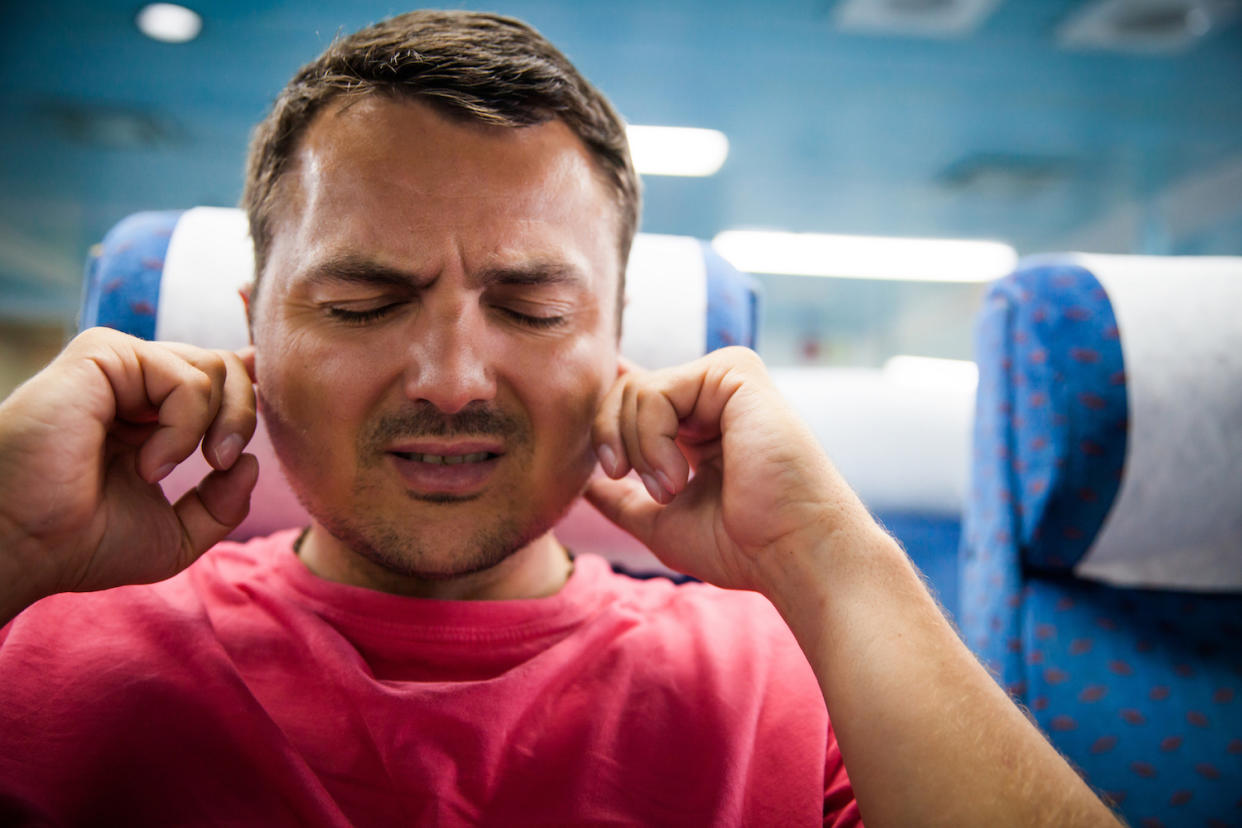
(246, 355)
(625, 365)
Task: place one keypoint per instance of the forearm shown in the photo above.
(928, 737)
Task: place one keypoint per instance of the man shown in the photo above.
(442, 209)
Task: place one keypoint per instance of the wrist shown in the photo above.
(829, 564)
(20, 581)
(20, 586)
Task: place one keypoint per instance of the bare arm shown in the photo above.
(83, 445)
(928, 737)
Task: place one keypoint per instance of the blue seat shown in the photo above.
(1102, 543)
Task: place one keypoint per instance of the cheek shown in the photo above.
(317, 393)
(565, 394)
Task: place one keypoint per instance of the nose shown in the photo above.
(449, 364)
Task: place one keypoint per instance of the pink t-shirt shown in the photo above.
(247, 690)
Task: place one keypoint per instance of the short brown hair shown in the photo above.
(483, 67)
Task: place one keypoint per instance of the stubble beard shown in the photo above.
(408, 553)
(384, 537)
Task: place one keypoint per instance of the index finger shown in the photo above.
(700, 390)
(233, 421)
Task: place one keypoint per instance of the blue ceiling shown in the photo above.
(1000, 134)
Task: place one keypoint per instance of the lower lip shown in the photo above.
(442, 478)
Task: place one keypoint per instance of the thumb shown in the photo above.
(626, 503)
(221, 501)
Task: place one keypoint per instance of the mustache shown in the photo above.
(425, 420)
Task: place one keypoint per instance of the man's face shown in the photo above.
(434, 331)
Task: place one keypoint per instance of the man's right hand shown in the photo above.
(83, 446)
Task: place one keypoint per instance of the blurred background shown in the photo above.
(1041, 125)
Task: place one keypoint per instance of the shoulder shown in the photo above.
(77, 624)
(127, 648)
(719, 635)
(737, 615)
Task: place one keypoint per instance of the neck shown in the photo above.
(537, 570)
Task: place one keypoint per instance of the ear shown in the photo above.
(246, 355)
(246, 292)
(626, 366)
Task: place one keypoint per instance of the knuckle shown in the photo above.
(240, 418)
(88, 337)
(742, 356)
(99, 336)
(199, 381)
(231, 363)
(244, 404)
(214, 366)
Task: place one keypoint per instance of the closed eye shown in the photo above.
(361, 317)
(539, 322)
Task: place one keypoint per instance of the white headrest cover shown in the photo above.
(1177, 520)
(904, 446)
(209, 260)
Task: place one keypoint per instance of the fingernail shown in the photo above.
(163, 471)
(665, 483)
(230, 449)
(653, 488)
(607, 458)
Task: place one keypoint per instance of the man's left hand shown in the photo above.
(762, 490)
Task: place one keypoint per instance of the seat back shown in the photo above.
(1102, 544)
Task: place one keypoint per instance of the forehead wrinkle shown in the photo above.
(314, 184)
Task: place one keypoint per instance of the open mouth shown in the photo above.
(446, 459)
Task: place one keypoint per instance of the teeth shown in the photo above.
(449, 459)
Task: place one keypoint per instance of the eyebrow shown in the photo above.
(534, 274)
(355, 270)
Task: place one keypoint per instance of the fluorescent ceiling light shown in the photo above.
(660, 150)
(169, 23)
(932, 372)
(1167, 26)
(926, 18)
(865, 257)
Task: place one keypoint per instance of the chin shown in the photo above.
(432, 554)
(407, 540)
